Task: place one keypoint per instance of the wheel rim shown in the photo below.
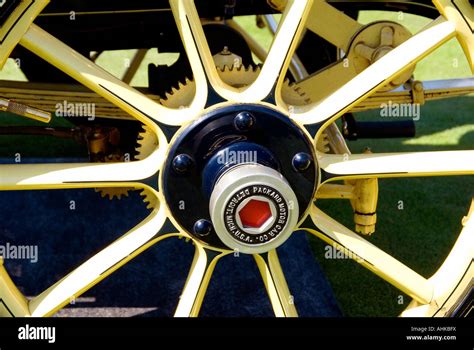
(428, 294)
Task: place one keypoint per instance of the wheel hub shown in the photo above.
(240, 178)
(252, 208)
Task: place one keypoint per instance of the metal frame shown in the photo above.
(431, 296)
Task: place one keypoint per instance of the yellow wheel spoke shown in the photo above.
(376, 75)
(371, 257)
(101, 265)
(98, 80)
(274, 279)
(11, 296)
(198, 280)
(197, 48)
(276, 62)
(197, 51)
(454, 277)
(78, 175)
(383, 165)
(279, 57)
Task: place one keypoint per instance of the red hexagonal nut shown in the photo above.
(255, 213)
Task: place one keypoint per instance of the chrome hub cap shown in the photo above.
(253, 208)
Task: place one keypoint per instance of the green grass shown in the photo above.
(39, 146)
(420, 235)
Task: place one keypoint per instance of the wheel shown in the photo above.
(238, 169)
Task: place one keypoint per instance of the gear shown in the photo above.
(113, 192)
(323, 143)
(149, 198)
(236, 76)
(147, 142)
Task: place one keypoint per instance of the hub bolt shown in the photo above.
(202, 227)
(244, 121)
(302, 161)
(182, 163)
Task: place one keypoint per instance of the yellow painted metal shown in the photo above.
(286, 298)
(329, 79)
(363, 194)
(105, 84)
(101, 265)
(415, 93)
(233, 76)
(332, 24)
(296, 68)
(279, 56)
(373, 42)
(48, 176)
(364, 204)
(47, 96)
(347, 34)
(461, 14)
(75, 175)
(454, 278)
(322, 83)
(12, 302)
(375, 76)
(17, 24)
(275, 283)
(198, 280)
(371, 257)
(335, 191)
(389, 165)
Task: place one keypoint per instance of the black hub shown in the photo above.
(222, 140)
